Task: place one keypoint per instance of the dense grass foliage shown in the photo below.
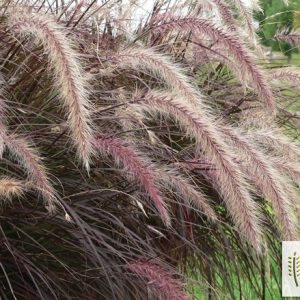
(150, 157)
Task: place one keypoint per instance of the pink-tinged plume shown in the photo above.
(224, 12)
(288, 74)
(158, 280)
(200, 125)
(31, 161)
(232, 44)
(268, 180)
(291, 37)
(161, 67)
(136, 166)
(189, 193)
(280, 144)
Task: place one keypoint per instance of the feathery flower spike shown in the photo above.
(30, 160)
(247, 18)
(291, 37)
(278, 142)
(160, 66)
(268, 180)
(159, 280)
(138, 168)
(200, 126)
(288, 74)
(233, 45)
(68, 73)
(223, 10)
(183, 187)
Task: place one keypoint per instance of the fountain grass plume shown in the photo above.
(233, 45)
(162, 67)
(267, 178)
(69, 77)
(171, 178)
(200, 126)
(138, 167)
(272, 139)
(291, 37)
(159, 280)
(28, 157)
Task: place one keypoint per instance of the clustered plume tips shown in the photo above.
(232, 185)
(10, 188)
(140, 169)
(233, 45)
(247, 17)
(68, 75)
(267, 179)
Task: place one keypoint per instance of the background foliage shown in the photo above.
(275, 16)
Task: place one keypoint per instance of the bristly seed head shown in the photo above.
(69, 76)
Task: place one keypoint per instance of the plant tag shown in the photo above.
(291, 268)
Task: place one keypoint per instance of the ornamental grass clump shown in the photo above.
(142, 160)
